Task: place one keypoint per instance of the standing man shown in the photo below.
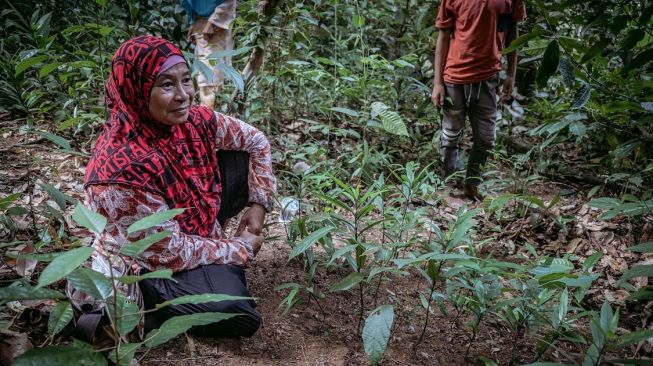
(210, 21)
(471, 35)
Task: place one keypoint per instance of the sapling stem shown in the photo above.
(362, 311)
(312, 296)
(114, 327)
(473, 337)
(426, 317)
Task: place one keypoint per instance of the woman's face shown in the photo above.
(172, 96)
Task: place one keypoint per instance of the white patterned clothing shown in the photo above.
(219, 40)
(123, 205)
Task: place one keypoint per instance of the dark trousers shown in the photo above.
(478, 102)
(213, 278)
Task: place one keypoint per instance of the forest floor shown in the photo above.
(309, 336)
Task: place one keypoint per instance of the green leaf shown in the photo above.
(91, 282)
(153, 220)
(180, 324)
(449, 256)
(162, 273)
(582, 96)
(514, 45)
(61, 356)
(634, 361)
(348, 282)
(605, 203)
(487, 361)
(64, 264)
(83, 64)
(201, 299)
(233, 75)
(125, 353)
(89, 219)
(640, 60)
(134, 249)
(549, 64)
(40, 257)
(632, 38)
(310, 240)
(592, 356)
(358, 21)
(637, 271)
(548, 364)
(391, 120)
(56, 195)
(65, 144)
(7, 201)
(60, 316)
(642, 248)
(567, 72)
(633, 337)
(647, 106)
(595, 50)
(197, 65)
(607, 317)
(563, 306)
(22, 291)
(127, 313)
(578, 281)
(26, 64)
(48, 69)
(592, 260)
(346, 111)
(578, 129)
(376, 332)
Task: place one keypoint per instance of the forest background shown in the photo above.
(554, 266)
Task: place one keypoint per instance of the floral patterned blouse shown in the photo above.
(122, 206)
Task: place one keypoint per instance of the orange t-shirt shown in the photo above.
(478, 32)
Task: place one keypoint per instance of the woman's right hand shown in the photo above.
(255, 240)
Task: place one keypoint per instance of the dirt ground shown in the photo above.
(308, 336)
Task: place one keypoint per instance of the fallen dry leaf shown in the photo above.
(12, 345)
(25, 267)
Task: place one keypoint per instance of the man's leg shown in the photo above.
(482, 117)
(453, 123)
(220, 40)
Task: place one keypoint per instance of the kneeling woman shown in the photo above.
(158, 152)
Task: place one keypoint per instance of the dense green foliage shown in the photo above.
(351, 81)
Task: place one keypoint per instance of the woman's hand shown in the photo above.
(255, 240)
(252, 220)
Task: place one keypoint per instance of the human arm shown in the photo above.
(122, 206)
(518, 15)
(509, 83)
(233, 134)
(441, 51)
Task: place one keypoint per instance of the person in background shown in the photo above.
(157, 152)
(209, 30)
(472, 34)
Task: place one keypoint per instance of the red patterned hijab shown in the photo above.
(176, 162)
